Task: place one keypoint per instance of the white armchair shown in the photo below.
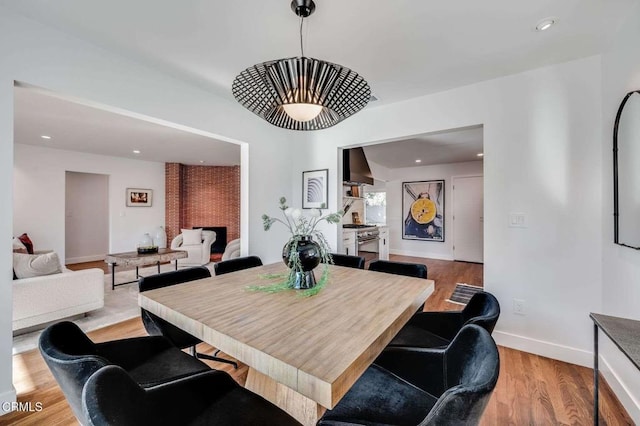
(232, 251)
(197, 243)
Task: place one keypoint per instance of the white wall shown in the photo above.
(86, 216)
(44, 57)
(42, 189)
(395, 219)
(7, 392)
(543, 157)
(621, 265)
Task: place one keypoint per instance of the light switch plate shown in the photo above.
(517, 220)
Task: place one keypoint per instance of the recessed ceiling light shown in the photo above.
(135, 151)
(45, 137)
(201, 161)
(480, 154)
(545, 24)
(418, 161)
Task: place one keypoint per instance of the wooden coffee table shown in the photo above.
(133, 258)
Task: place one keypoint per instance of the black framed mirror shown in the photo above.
(626, 172)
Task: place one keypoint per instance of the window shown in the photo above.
(376, 207)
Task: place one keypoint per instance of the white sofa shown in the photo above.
(46, 298)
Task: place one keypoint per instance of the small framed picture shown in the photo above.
(137, 197)
(315, 189)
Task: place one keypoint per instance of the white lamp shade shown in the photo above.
(302, 112)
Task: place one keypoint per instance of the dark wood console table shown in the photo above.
(625, 333)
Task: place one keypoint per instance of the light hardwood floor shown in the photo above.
(531, 390)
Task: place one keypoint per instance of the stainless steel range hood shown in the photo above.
(355, 168)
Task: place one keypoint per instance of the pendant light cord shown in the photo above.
(301, 47)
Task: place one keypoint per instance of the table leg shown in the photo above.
(596, 416)
(176, 264)
(158, 266)
(137, 273)
(303, 409)
(113, 276)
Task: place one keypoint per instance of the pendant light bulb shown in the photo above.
(302, 112)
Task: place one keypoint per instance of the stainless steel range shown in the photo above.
(365, 235)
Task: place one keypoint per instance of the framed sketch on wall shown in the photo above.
(315, 189)
(423, 210)
(137, 197)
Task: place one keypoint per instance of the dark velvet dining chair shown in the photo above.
(157, 326)
(417, 270)
(111, 397)
(348, 260)
(437, 329)
(236, 264)
(415, 386)
(72, 358)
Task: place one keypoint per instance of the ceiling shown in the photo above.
(403, 48)
(454, 146)
(76, 127)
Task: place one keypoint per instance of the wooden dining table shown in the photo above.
(303, 353)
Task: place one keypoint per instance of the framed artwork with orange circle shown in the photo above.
(423, 210)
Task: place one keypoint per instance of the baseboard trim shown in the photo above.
(83, 259)
(8, 396)
(421, 254)
(546, 349)
(620, 389)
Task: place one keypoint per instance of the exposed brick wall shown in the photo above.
(202, 196)
(173, 184)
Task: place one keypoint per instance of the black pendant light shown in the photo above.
(301, 93)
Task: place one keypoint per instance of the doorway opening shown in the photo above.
(134, 150)
(399, 165)
(468, 218)
(86, 217)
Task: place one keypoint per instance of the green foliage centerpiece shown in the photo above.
(306, 248)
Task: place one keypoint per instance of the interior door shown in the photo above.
(86, 217)
(468, 237)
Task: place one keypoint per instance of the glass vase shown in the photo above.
(160, 237)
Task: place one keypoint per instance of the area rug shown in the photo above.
(462, 293)
(120, 305)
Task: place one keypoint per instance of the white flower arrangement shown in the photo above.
(297, 223)
(301, 227)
